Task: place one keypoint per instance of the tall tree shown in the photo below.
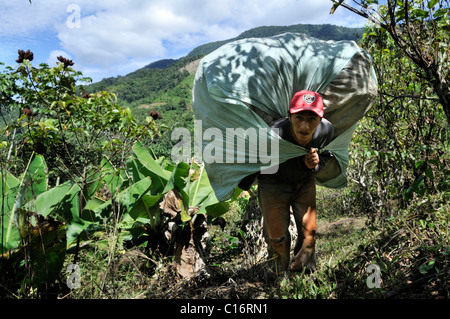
(420, 29)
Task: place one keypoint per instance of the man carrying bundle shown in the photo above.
(251, 83)
(293, 185)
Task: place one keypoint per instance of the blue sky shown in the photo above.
(115, 37)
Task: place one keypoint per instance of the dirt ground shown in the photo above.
(238, 277)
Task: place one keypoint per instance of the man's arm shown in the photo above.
(322, 136)
(323, 159)
(315, 161)
(312, 158)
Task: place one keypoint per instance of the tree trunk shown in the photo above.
(443, 92)
(187, 241)
(189, 251)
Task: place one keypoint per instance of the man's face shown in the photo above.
(303, 126)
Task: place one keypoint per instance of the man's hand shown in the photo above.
(312, 158)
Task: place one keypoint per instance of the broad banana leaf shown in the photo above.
(126, 199)
(36, 177)
(201, 194)
(15, 193)
(144, 165)
(114, 179)
(10, 237)
(41, 242)
(63, 203)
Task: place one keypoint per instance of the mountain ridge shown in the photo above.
(159, 81)
(320, 31)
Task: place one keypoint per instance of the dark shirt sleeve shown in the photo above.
(322, 137)
(323, 159)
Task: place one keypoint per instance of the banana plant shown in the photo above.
(32, 248)
(40, 223)
(140, 189)
(9, 189)
(189, 180)
(151, 193)
(188, 199)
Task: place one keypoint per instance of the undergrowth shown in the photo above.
(411, 250)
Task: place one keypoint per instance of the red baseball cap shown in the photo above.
(306, 101)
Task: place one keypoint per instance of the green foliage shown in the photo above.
(412, 253)
(42, 112)
(17, 191)
(95, 178)
(400, 150)
(43, 116)
(399, 166)
(32, 249)
(420, 32)
(133, 207)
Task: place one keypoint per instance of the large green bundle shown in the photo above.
(244, 85)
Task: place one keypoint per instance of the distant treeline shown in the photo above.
(320, 31)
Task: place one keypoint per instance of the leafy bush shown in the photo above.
(92, 182)
(400, 150)
(43, 112)
(399, 169)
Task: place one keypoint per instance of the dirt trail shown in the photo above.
(325, 227)
(236, 276)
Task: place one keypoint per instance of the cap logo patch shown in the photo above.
(308, 98)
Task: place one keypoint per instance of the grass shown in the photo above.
(337, 240)
(411, 249)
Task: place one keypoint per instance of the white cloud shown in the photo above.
(115, 36)
(19, 18)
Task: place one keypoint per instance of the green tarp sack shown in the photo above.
(244, 85)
